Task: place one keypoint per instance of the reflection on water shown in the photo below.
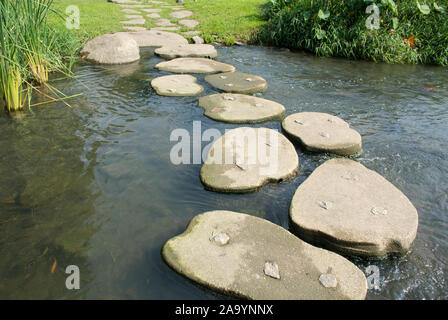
(93, 185)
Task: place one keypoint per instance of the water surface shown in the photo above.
(93, 185)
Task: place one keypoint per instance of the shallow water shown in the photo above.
(93, 185)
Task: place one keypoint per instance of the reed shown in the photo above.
(29, 49)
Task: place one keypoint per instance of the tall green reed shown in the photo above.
(29, 49)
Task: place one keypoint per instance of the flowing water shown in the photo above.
(93, 185)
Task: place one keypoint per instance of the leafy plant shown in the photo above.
(409, 32)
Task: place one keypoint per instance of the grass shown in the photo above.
(97, 17)
(227, 21)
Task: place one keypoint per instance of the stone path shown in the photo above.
(342, 206)
(170, 17)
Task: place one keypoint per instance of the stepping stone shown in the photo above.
(124, 1)
(174, 7)
(152, 10)
(240, 108)
(153, 15)
(194, 65)
(133, 16)
(192, 33)
(181, 14)
(197, 40)
(164, 23)
(344, 206)
(322, 132)
(134, 28)
(155, 38)
(187, 50)
(166, 28)
(188, 23)
(134, 21)
(248, 257)
(244, 159)
(130, 11)
(129, 6)
(115, 48)
(176, 85)
(237, 82)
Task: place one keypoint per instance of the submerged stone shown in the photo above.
(357, 222)
(117, 48)
(240, 108)
(238, 82)
(194, 65)
(322, 132)
(263, 261)
(244, 159)
(187, 51)
(176, 85)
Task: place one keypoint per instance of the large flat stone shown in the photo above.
(166, 28)
(244, 159)
(130, 11)
(133, 16)
(240, 108)
(153, 15)
(237, 82)
(156, 38)
(322, 132)
(192, 33)
(187, 50)
(248, 257)
(188, 23)
(164, 23)
(181, 14)
(115, 48)
(134, 28)
(176, 85)
(346, 207)
(134, 21)
(152, 10)
(131, 6)
(194, 65)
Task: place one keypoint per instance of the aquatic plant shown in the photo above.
(29, 50)
(406, 31)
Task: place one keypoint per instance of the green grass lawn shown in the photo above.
(228, 20)
(96, 17)
(224, 21)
